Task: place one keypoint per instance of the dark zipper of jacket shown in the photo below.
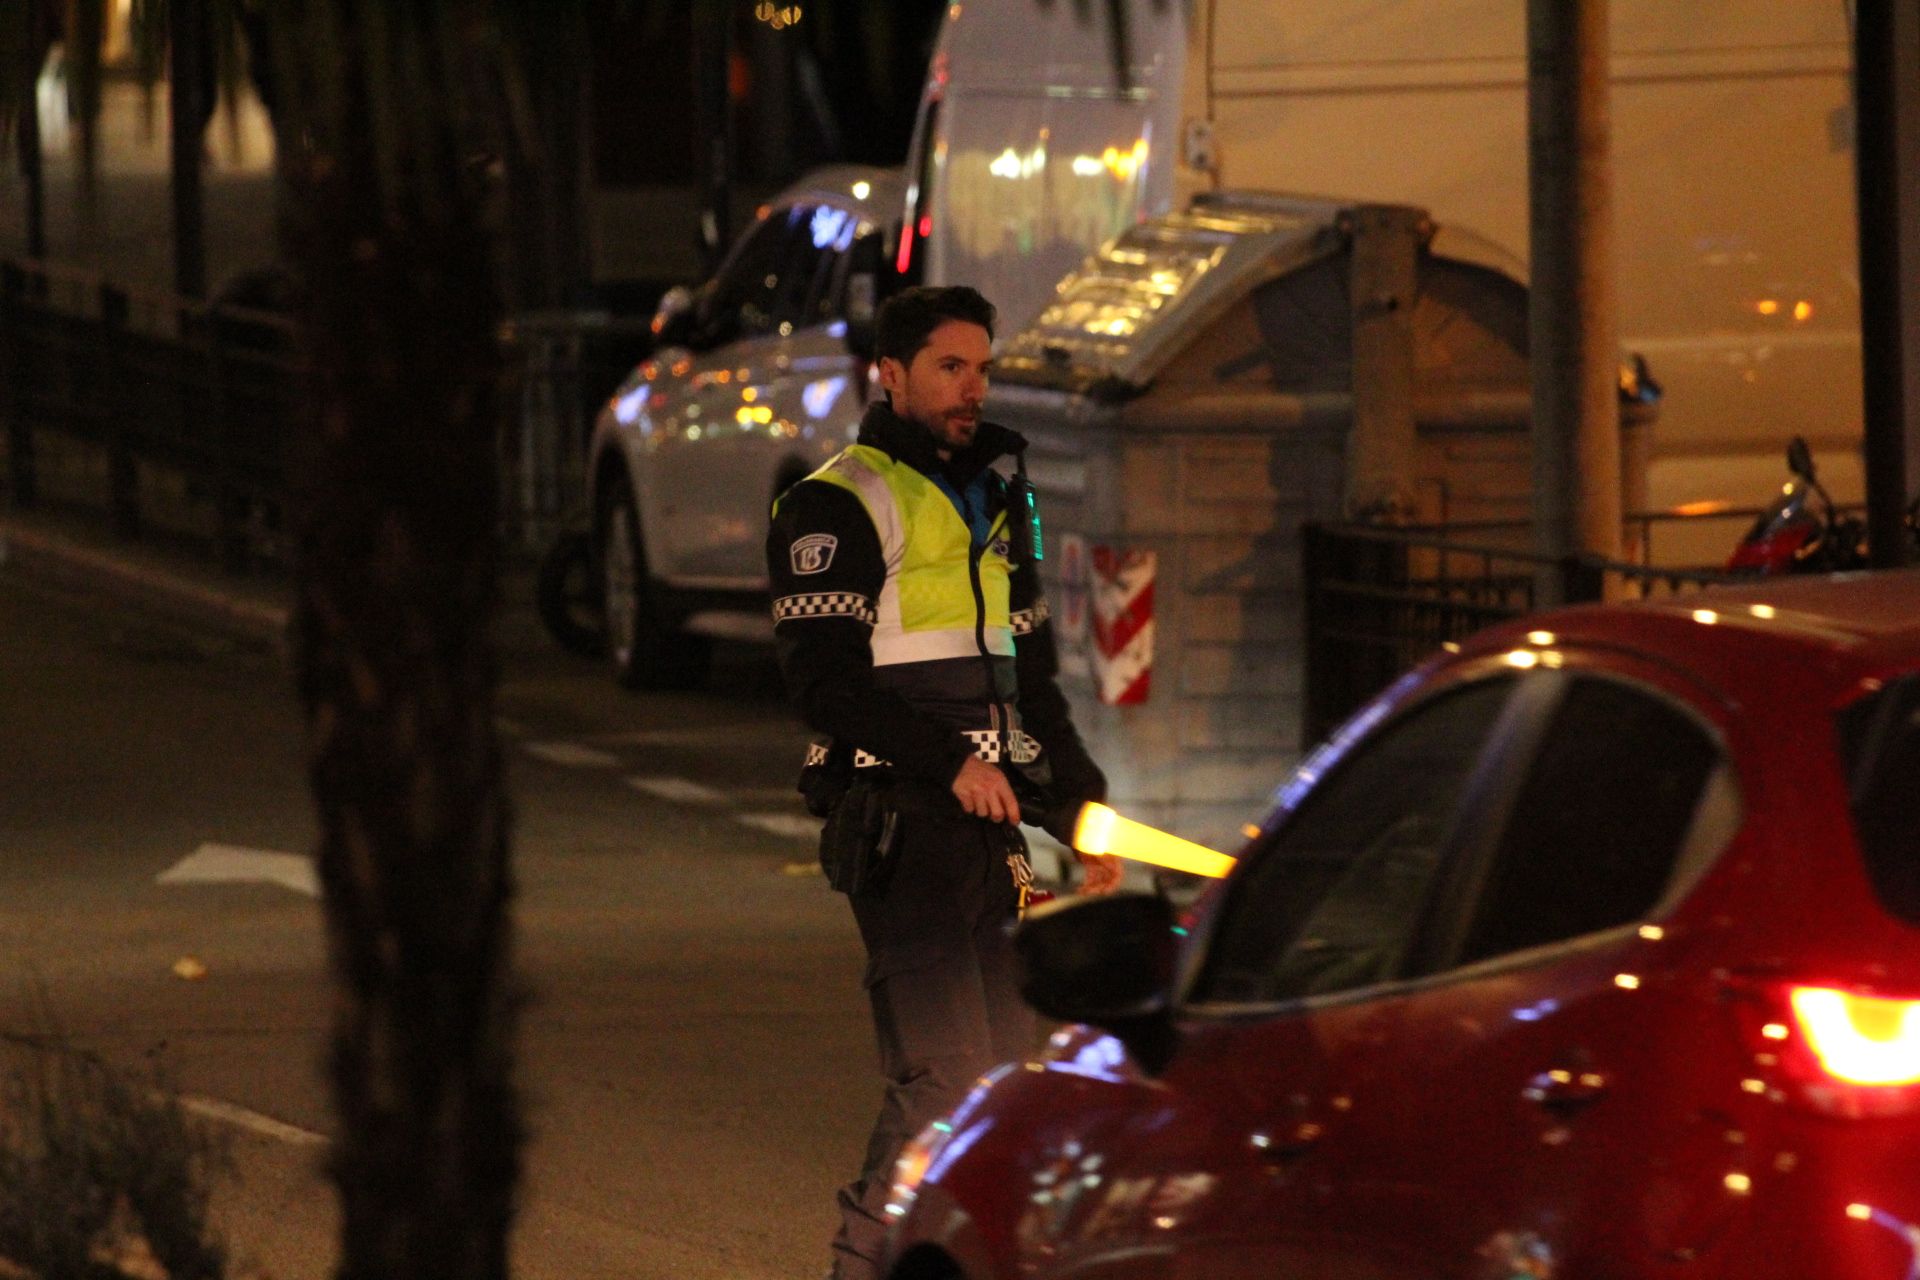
(999, 719)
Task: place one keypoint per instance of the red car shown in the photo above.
(1589, 950)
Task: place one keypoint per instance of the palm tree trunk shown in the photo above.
(396, 582)
(190, 107)
(33, 172)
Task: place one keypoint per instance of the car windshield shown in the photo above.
(1880, 739)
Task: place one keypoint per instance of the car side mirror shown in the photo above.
(1107, 962)
(861, 290)
(1800, 459)
(673, 319)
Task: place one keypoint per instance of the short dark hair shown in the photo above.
(908, 318)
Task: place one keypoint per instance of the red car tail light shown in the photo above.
(1859, 1039)
(1841, 1051)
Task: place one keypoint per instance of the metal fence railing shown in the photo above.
(138, 404)
(166, 417)
(1380, 600)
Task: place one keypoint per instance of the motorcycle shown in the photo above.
(1802, 530)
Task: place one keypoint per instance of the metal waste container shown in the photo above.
(1199, 389)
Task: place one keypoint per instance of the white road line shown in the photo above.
(678, 790)
(791, 826)
(251, 1121)
(233, 864)
(571, 755)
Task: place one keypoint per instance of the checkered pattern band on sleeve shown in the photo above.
(825, 604)
(1026, 621)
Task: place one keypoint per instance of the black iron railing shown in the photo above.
(1380, 600)
(144, 406)
(172, 418)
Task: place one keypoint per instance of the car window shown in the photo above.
(746, 296)
(1880, 736)
(1333, 899)
(858, 251)
(830, 233)
(1599, 822)
(806, 261)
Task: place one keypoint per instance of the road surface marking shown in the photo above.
(571, 754)
(252, 1121)
(232, 864)
(792, 826)
(678, 790)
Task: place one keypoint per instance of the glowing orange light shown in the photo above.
(1707, 507)
(1860, 1039)
(1803, 310)
(1767, 306)
(1102, 831)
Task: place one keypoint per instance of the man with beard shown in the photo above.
(912, 634)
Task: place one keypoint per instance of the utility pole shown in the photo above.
(713, 128)
(1571, 322)
(1886, 94)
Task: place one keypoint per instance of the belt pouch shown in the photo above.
(862, 834)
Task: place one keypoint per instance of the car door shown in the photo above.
(700, 479)
(1570, 1100)
(763, 398)
(1277, 1110)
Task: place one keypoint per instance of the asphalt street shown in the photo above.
(695, 1055)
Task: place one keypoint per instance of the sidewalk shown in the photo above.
(252, 610)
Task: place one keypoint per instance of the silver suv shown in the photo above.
(754, 383)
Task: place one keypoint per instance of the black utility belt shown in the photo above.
(860, 844)
(1018, 748)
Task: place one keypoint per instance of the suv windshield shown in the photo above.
(1880, 739)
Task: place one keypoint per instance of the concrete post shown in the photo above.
(1382, 451)
(1571, 325)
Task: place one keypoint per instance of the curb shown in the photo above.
(66, 563)
(256, 614)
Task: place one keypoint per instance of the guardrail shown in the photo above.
(172, 418)
(1380, 600)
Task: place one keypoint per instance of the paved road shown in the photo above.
(695, 1055)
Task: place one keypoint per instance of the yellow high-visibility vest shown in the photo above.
(926, 609)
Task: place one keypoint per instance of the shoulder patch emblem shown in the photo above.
(813, 553)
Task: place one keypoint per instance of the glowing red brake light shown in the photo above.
(1857, 1039)
(905, 257)
(1832, 1047)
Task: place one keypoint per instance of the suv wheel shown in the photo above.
(568, 595)
(648, 649)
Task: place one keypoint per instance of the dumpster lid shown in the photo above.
(1129, 309)
(1131, 306)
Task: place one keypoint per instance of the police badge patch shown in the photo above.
(813, 553)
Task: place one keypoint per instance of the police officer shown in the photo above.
(912, 633)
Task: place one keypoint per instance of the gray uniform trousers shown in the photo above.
(944, 990)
